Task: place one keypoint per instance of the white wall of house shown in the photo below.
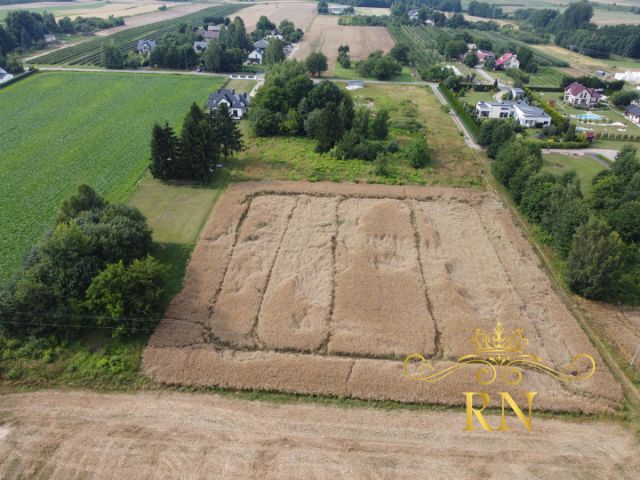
(494, 111)
(583, 98)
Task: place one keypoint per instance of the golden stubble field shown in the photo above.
(326, 36)
(324, 288)
(301, 14)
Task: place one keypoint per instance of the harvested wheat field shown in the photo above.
(324, 288)
(301, 14)
(326, 36)
(64, 435)
(620, 326)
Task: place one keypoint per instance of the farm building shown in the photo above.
(632, 112)
(5, 76)
(507, 61)
(145, 46)
(578, 95)
(523, 113)
(238, 103)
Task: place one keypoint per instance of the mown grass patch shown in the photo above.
(58, 130)
(585, 166)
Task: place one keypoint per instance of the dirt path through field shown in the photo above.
(62, 435)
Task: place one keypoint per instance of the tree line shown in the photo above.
(94, 269)
(597, 237)
(206, 139)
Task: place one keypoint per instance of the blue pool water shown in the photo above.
(588, 116)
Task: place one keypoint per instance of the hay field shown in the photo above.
(62, 435)
(301, 14)
(324, 288)
(326, 36)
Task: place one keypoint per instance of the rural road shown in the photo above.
(468, 139)
(62, 435)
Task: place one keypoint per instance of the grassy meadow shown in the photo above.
(58, 130)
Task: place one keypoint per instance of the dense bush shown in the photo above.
(50, 293)
(380, 66)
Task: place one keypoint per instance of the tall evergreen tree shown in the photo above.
(165, 159)
(198, 147)
(226, 132)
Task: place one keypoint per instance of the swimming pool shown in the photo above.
(588, 116)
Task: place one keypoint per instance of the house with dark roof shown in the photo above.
(145, 46)
(632, 112)
(507, 61)
(578, 95)
(200, 46)
(262, 44)
(237, 103)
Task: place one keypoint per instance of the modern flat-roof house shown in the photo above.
(632, 112)
(530, 117)
(507, 61)
(524, 114)
(145, 46)
(5, 76)
(578, 95)
(238, 103)
(516, 93)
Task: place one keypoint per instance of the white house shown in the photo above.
(49, 38)
(578, 95)
(429, 23)
(413, 14)
(530, 117)
(4, 76)
(517, 93)
(238, 103)
(507, 61)
(200, 46)
(145, 46)
(256, 57)
(524, 114)
(632, 112)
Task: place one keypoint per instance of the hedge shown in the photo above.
(625, 137)
(556, 118)
(546, 89)
(564, 145)
(465, 117)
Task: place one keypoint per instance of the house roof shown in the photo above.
(516, 90)
(149, 43)
(233, 98)
(576, 88)
(3, 73)
(214, 28)
(211, 34)
(504, 103)
(262, 44)
(633, 110)
(504, 58)
(486, 53)
(529, 111)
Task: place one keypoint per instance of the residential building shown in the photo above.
(50, 39)
(530, 117)
(430, 23)
(413, 14)
(200, 46)
(578, 95)
(517, 93)
(484, 55)
(145, 46)
(507, 61)
(4, 76)
(472, 47)
(256, 57)
(261, 44)
(524, 114)
(336, 10)
(238, 103)
(632, 112)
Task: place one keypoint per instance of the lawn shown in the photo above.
(585, 166)
(547, 77)
(58, 130)
(294, 158)
(352, 74)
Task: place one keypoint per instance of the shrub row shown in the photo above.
(465, 117)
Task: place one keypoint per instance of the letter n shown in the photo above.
(526, 421)
(477, 411)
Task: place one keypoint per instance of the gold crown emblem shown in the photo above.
(498, 343)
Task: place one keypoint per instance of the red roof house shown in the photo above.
(578, 95)
(506, 61)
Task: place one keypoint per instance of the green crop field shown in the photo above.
(89, 53)
(58, 130)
